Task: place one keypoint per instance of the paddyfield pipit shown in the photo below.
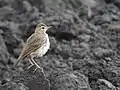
(36, 46)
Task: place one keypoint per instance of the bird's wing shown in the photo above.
(34, 42)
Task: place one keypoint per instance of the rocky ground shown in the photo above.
(84, 52)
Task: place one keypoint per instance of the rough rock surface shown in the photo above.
(84, 52)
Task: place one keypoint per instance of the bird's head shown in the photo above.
(42, 28)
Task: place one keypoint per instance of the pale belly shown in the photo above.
(42, 50)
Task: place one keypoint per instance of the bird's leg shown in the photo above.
(35, 70)
(32, 64)
(35, 63)
(37, 66)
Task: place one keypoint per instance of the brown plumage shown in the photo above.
(36, 45)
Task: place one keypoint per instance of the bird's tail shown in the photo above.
(18, 60)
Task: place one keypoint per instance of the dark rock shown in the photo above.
(69, 81)
(6, 10)
(65, 36)
(4, 55)
(84, 38)
(100, 53)
(13, 86)
(27, 6)
(112, 74)
(117, 3)
(105, 85)
(33, 81)
(39, 4)
(109, 1)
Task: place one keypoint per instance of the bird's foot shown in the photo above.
(41, 69)
(35, 70)
(30, 66)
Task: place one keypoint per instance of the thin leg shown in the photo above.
(32, 64)
(35, 70)
(36, 65)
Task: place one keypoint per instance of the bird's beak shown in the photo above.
(49, 27)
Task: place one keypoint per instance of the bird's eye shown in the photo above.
(43, 28)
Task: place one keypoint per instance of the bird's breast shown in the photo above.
(43, 49)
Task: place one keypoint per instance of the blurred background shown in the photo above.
(85, 43)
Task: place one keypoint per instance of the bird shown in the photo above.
(35, 46)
